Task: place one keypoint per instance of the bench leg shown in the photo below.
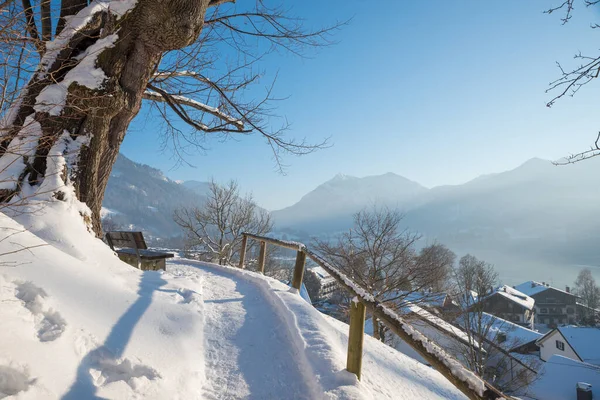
(154, 265)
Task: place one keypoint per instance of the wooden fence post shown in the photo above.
(262, 256)
(243, 251)
(356, 337)
(299, 269)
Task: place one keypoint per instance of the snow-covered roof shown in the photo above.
(531, 288)
(516, 335)
(558, 378)
(584, 340)
(423, 299)
(467, 299)
(515, 296)
(321, 273)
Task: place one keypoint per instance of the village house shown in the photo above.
(553, 306)
(509, 304)
(327, 285)
(510, 336)
(575, 342)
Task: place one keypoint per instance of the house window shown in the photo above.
(543, 311)
(560, 345)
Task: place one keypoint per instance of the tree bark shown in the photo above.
(95, 118)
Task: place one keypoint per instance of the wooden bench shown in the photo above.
(132, 249)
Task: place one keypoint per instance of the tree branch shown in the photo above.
(584, 155)
(215, 3)
(31, 26)
(158, 94)
(68, 8)
(46, 14)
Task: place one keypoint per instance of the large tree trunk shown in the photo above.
(75, 142)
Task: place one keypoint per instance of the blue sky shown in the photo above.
(437, 91)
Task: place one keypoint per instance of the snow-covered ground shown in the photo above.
(79, 324)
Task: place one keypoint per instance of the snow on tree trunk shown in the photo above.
(61, 139)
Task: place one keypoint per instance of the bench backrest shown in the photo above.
(123, 239)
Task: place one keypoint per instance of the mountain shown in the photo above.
(537, 216)
(141, 197)
(331, 205)
(201, 188)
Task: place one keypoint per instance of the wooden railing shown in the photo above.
(465, 380)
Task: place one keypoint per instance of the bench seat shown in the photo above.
(146, 254)
(132, 249)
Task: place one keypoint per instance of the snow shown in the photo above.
(348, 282)
(424, 299)
(105, 212)
(516, 335)
(439, 324)
(121, 7)
(24, 145)
(584, 340)
(196, 331)
(559, 377)
(322, 275)
(474, 382)
(52, 98)
(531, 288)
(514, 295)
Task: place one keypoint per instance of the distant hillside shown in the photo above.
(536, 216)
(197, 187)
(141, 197)
(330, 206)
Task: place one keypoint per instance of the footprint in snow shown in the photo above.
(50, 324)
(188, 296)
(13, 381)
(107, 369)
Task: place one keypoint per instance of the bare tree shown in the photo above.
(486, 350)
(109, 224)
(589, 293)
(80, 84)
(376, 253)
(379, 255)
(215, 228)
(474, 278)
(571, 80)
(437, 262)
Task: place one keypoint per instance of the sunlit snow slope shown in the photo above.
(79, 324)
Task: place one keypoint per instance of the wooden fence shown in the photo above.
(465, 380)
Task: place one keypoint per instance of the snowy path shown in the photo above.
(243, 359)
(77, 323)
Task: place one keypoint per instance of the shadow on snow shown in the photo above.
(105, 361)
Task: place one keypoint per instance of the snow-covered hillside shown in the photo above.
(79, 324)
(142, 198)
